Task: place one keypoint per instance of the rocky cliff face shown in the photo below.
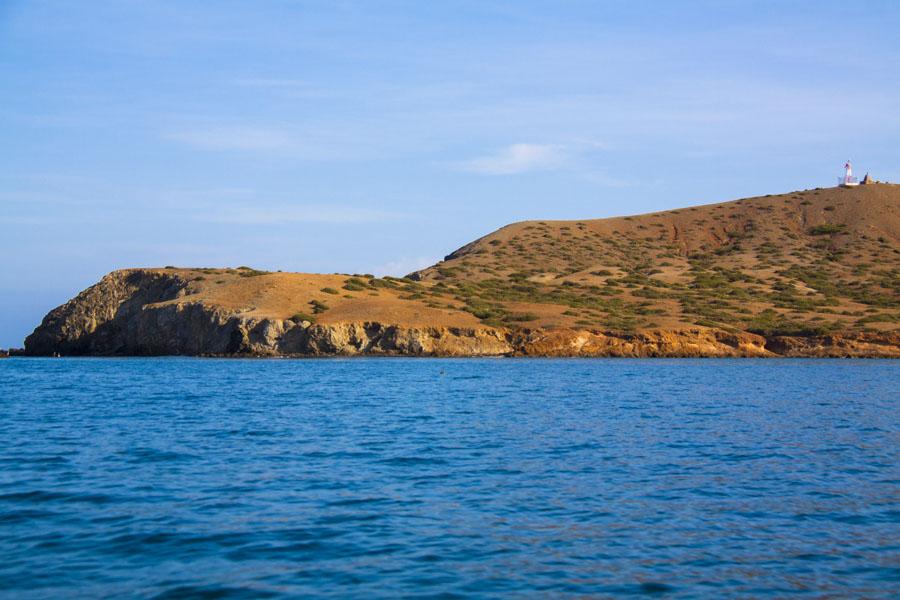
(104, 317)
(148, 313)
(141, 312)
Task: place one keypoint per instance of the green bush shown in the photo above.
(826, 229)
(354, 284)
(382, 283)
(521, 317)
(318, 306)
(769, 322)
(250, 272)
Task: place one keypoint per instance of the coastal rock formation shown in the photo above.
(886, 345)
(145, 312)
(809, 273)
(695, 342)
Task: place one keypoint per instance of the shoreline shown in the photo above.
(831, 353)
(432, 357)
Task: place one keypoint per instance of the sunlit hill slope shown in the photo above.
(806, 262)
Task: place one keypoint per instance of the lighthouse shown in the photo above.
(848, 180)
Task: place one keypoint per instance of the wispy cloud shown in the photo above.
(22, 220)
(270, 82)
(269, 215)
(234, 138)
(274, 87)
(518, 158)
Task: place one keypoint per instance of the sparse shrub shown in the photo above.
(354, 284)
(382, 283)
(826, 229)
(769, 323)
(521, 317)
(250, 272)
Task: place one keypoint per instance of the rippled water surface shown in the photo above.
(449, 478)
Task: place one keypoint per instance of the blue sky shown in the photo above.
(342, 136)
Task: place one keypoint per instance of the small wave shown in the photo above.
(213, 591)
(655, 587)
(409, 461)
(357, 501)
(145, 455)
(40, 496)
(25, 516)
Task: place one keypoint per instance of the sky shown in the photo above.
(378, 136)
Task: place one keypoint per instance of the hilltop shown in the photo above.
(814, 272)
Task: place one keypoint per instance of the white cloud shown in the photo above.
(518, 158)
(234, 138)
(404, 266)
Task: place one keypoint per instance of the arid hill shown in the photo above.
(816, 261)
(811, 273)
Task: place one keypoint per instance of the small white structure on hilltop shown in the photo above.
(848, 180)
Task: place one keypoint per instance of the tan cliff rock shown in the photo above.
(696, 342)
(885, 345)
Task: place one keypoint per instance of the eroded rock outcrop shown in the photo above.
(654, 343)
(886, 345)
(147, 313)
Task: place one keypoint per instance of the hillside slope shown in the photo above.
(811, 262)
(811, 273)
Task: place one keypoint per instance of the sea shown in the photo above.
(431, 478)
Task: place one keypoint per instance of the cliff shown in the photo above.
(153, 312)
(812, 273)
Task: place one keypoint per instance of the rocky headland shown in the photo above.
(813, 273)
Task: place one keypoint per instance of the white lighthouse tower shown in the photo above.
(848, 180)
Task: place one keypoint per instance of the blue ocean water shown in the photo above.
(420, 478)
